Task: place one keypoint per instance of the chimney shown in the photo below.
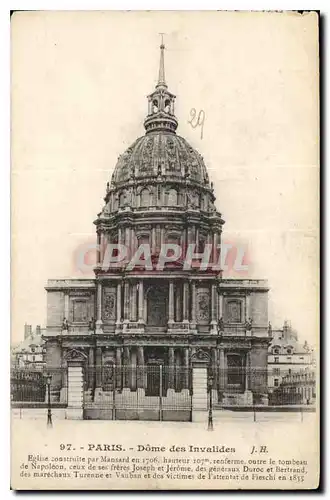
(27, 331)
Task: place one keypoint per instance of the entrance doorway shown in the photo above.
(157, 299)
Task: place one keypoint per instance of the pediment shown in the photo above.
(75, 355)
(200, 356)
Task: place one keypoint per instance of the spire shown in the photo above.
(161, 103)
(161, 76)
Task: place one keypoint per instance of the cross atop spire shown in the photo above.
(161, 76)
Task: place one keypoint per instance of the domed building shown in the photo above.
(158, 297)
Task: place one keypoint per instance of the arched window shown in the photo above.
(234, 311)
(155, 106)
(167, 108)
(172, 197)
(276, 350)
(145, 198)
(122, 199)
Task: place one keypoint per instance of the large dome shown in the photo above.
(160, 153)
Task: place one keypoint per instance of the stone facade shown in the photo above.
(140, 315)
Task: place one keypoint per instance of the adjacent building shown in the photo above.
(296, 388)
(286, 356)
(30, 353)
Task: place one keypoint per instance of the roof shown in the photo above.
(163, 153)
(28, 342)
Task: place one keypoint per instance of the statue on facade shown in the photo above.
(212, 206)
(91, 325)
(193, 199)
(108, 187)
(248, 324)
(65, 325)
(221, 325)
(270, 329)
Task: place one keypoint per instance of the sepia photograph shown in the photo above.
(165, 250)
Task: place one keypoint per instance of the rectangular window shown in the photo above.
(276, 359)
(234, 311)
(235, 370)
(276, 382)
(79, 310)
(276, 371)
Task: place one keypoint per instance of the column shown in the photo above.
(186, 367)
(220, 305)
(66, 305)
(102, 247)
(171, 302)
(99, 308)
(127, 236)
(171, 364)
(132, 244)
(118, 319)
(118, 368)
(141, 302)
(126, 367)
(140, 367)
(120, 235)
(247, 371)
(133, 302)
(178, 304)
(91, 368)
(214, 248)
(126, 300)
(214, 360)
(247, 307)
(214, 308)
(153, 241)
(98, 253)
(222, 370)
(185, 302)
(193, 304)
(98, 367)
(215, 373)
(127, 242)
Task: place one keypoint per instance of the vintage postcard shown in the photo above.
(165, 243)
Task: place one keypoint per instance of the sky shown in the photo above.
(79, 87)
